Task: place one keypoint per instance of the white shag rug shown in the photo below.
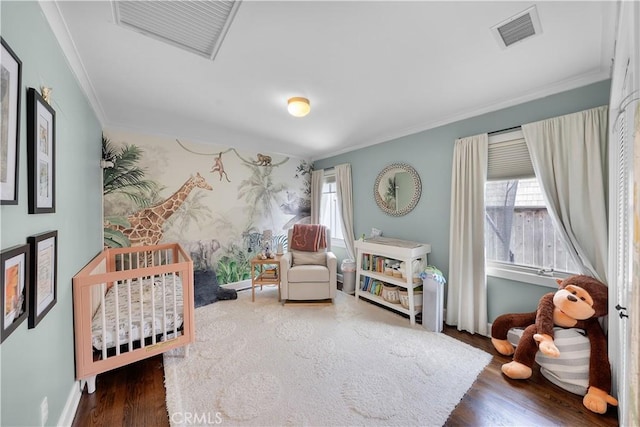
(350, 363)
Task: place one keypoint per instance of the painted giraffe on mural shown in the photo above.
(146, 224)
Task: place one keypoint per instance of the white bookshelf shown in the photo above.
(400, 250)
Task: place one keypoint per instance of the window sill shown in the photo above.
(338, 243)
(526, 275)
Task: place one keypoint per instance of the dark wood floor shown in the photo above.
(134, 396)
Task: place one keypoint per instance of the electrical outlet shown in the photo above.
(44, 411)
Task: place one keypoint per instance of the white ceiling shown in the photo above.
(373, 71)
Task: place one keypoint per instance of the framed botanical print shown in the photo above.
(15, 290)
(41, 144)
(44, 267)
(11, 88)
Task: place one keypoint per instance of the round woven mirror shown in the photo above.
(397, 189)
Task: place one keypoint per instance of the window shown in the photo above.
(519, 234)
(518, 228)
(329, 215)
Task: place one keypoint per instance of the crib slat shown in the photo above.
(117, 326)
(153, 313)
(130, 314)
(164, 306)
(141, 288)
(175, 307)
(104, 320)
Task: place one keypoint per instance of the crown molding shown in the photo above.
(58, 25)
(562, 86)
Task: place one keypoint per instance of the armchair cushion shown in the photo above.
(309, 274)
(306, 258)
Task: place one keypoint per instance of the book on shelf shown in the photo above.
(377, 263)
(377, 288)
(371, 286)
(268, 274)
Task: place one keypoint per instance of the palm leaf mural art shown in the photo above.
(192, 211)
(234, 262)
(123, 176)
(304, 170)
(294, 204)
(234, 266)
(260, 192)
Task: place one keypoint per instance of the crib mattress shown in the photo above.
(155, 321)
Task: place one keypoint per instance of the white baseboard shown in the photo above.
(238, 286)
(340, 277)
(489, 325)
(70, 407)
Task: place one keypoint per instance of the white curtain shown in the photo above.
(467, 291)
(317, 181)
(344, 195)
(569, 156)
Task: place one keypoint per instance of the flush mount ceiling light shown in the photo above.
(298, 106)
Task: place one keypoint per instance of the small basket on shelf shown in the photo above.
(390, 293)
(417, 299)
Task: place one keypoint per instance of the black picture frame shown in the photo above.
(43, 288)
(15, 288)
(11, 84)
(41, 153)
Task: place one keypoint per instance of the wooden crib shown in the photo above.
(130, 304)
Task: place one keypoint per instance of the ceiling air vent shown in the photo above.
(517, 28)
(195, 26)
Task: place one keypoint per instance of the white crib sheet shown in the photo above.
(164, 311)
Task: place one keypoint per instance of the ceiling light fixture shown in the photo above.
(298, 106)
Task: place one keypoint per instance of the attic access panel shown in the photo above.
(195, 26)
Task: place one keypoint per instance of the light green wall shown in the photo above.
(431, 153)
(40, 362)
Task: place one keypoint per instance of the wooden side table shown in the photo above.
(265, 272)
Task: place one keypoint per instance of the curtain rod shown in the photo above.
(505, 130)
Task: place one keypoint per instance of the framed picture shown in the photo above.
(43, 287)
(15, 291)
(41, 145)
(11, 85)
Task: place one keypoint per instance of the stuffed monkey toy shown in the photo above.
(578, 303)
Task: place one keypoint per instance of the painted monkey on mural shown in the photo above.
(219, 167)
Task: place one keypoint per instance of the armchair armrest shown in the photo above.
(332, 265)
(285, 264)
(285, 260)
(332, 261)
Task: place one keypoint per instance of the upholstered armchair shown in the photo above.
(308, 275)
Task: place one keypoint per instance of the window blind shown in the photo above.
(331, 177)
(624, 202)
(509, 157)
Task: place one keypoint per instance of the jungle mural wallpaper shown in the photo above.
(217, 202)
